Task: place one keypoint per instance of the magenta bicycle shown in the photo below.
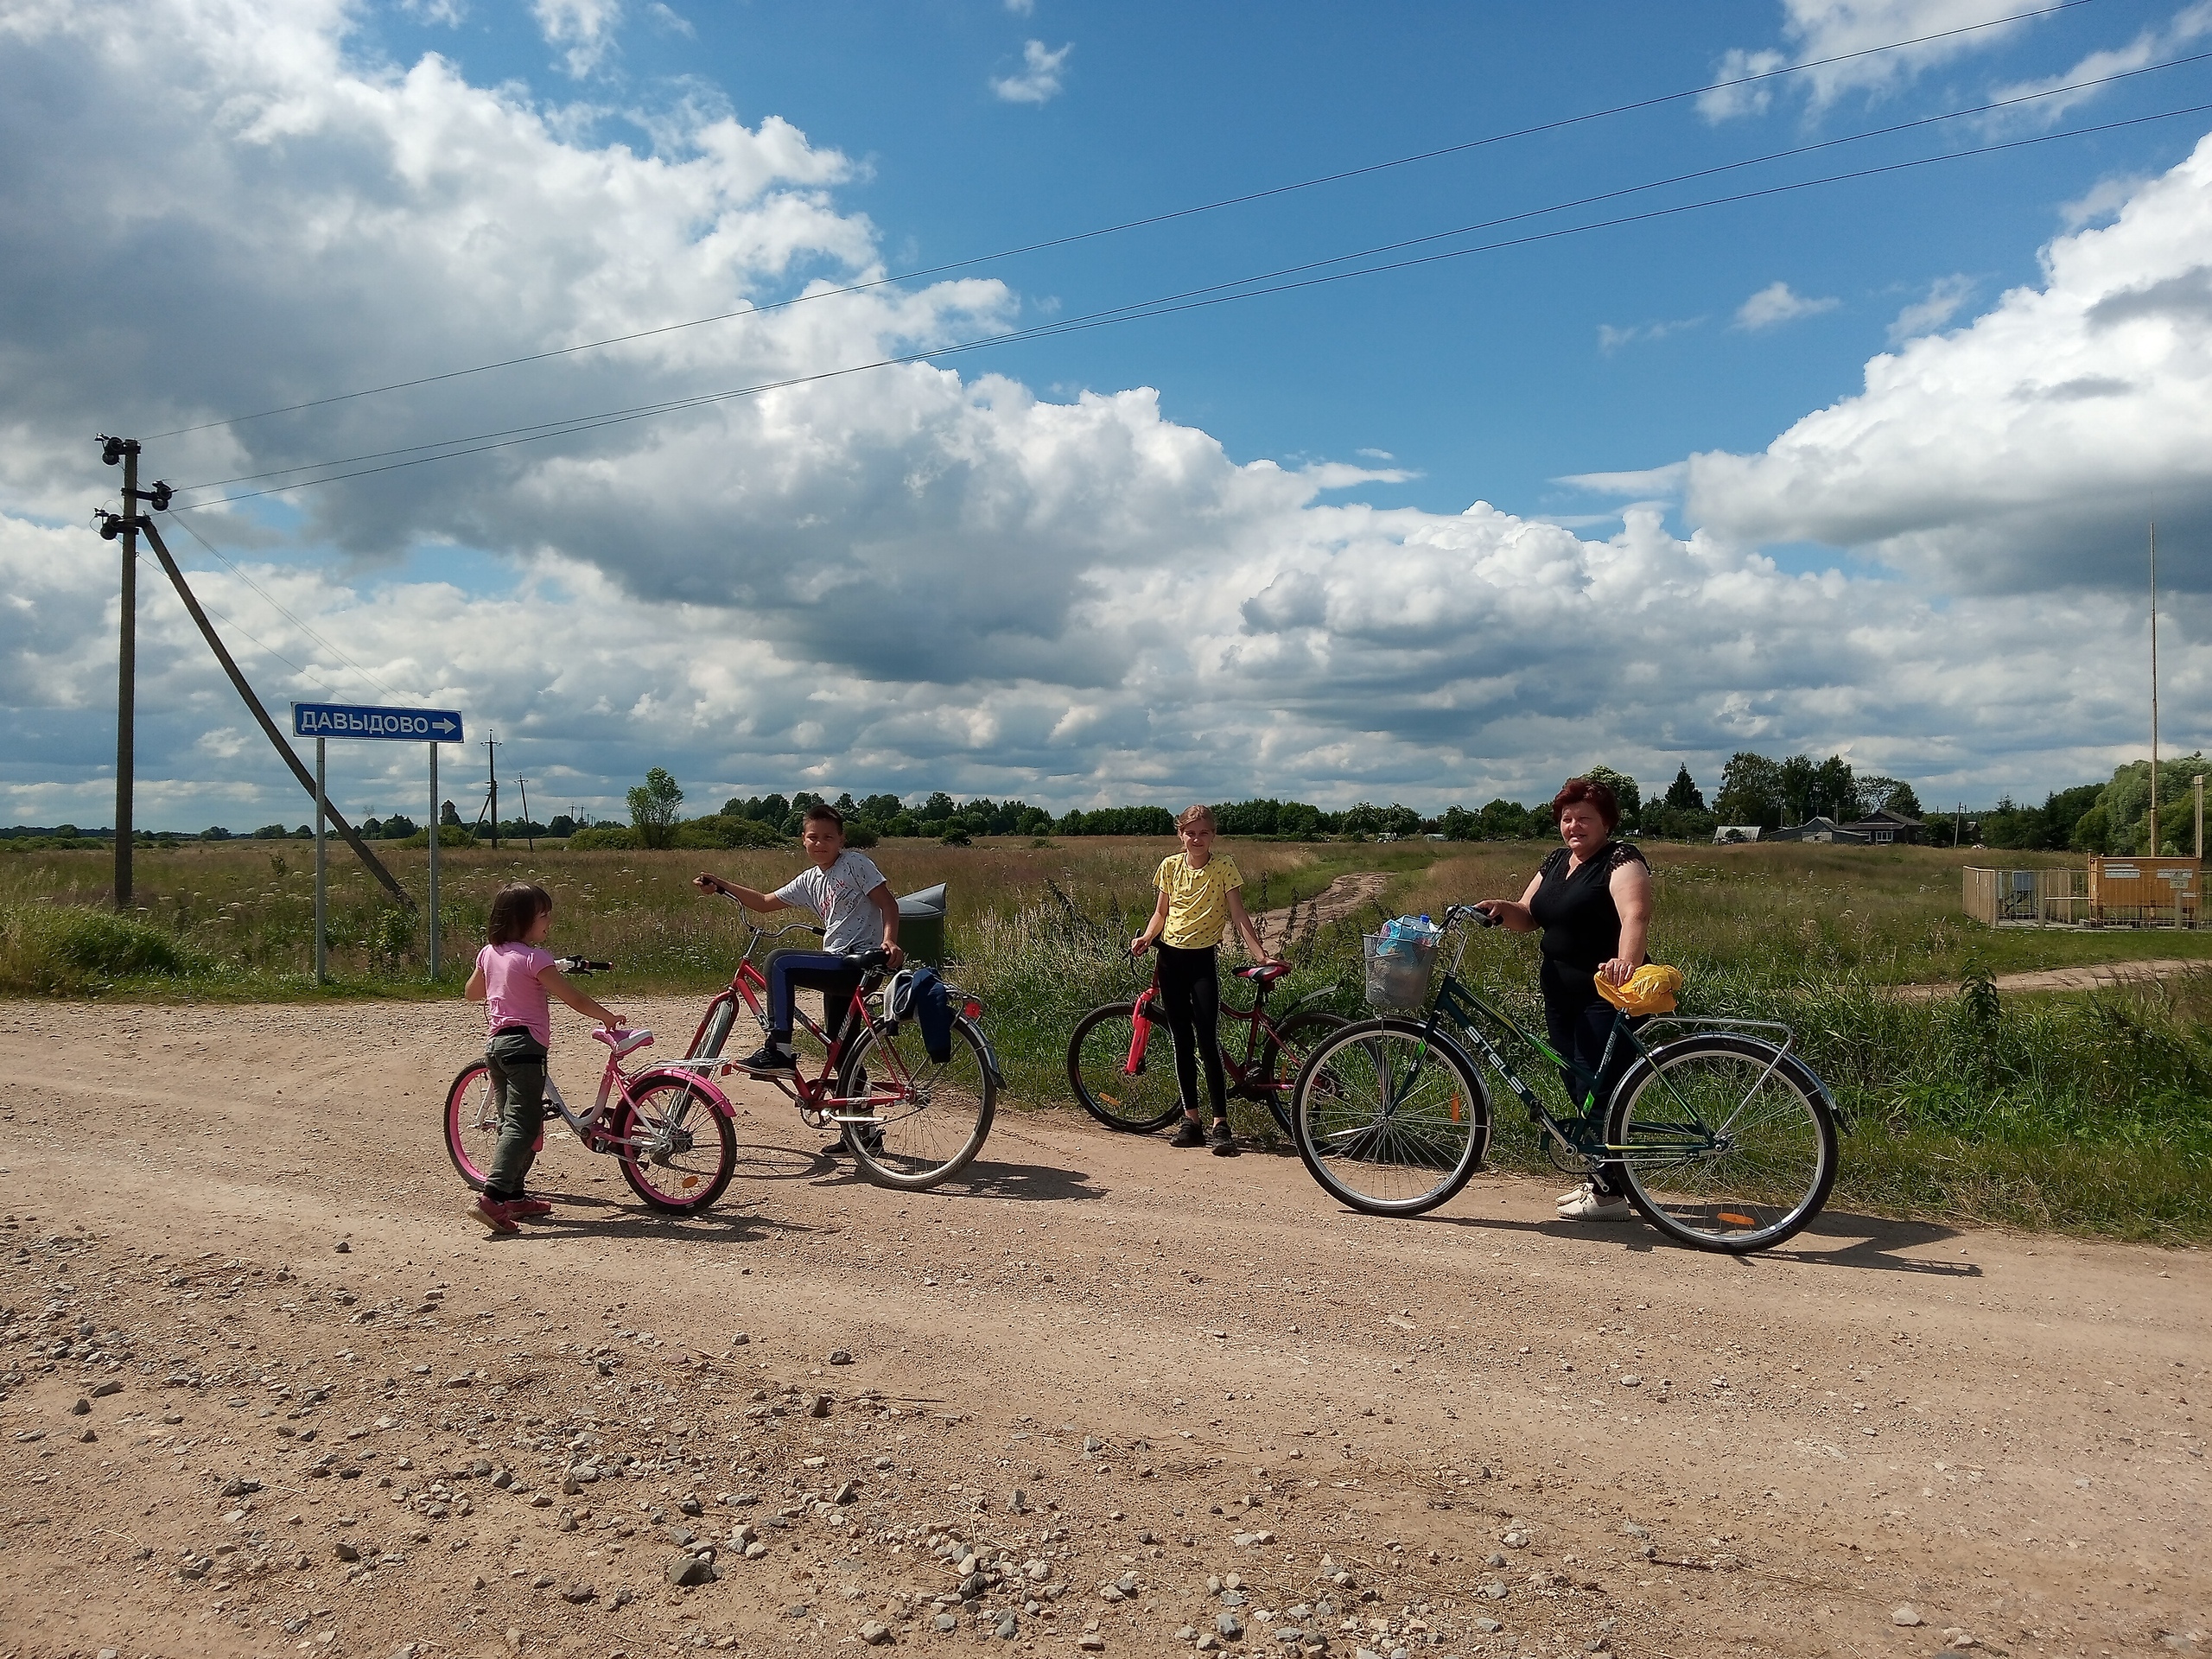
(670, 1129)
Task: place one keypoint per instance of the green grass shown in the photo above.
(2082, 1112)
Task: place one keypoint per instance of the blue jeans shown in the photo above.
(789, 971)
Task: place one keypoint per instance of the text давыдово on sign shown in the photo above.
(397, 725)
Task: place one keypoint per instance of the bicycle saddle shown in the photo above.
(623, 1040)
(1265, 972)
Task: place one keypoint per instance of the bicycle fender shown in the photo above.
(990, 1054)
(717, 1102)
(1311, 1000)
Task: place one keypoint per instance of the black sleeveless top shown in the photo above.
(1582, 926)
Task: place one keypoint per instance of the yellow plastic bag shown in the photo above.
(1650, 989)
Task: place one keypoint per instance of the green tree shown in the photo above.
(1459, 824)
(1751, 790)
(1683, 795)
(1504, 820)
(653, 806)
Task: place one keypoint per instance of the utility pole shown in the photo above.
(126, 689)
(491, 765)
(2155, 843)
(529, 835)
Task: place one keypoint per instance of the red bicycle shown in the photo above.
(1125, 1086)
(910, 1121)
(670, 1129)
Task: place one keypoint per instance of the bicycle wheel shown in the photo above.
(1725, 1142)
(1098, 1058)
(1283, 1056)
(676, 1151)
(930, 1116)
(1389, 1120)
(472, 1125)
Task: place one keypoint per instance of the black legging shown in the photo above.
(1190, 996)
(1581, 1023)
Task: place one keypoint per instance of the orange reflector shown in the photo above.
(1455, 1106)
(1735, 1220)
(1110, 1100)
(690, 1181)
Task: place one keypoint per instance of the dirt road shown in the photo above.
(1157, 1397)
(2087, 977)
(1343, 897)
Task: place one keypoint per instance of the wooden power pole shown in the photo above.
(126, 676)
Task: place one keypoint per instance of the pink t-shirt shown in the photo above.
(513, 995)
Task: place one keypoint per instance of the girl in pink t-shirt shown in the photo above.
(516, 979)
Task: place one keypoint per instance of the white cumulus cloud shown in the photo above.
(1815, 30)
(1039, 82)
(2025, 451)
(584, 28)
(1945, 298)
(915, 579)
(1777, 303)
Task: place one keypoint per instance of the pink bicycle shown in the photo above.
(671, 1130)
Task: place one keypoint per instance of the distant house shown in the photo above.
(1734, 832)
(1886, 828)
(1823, 829)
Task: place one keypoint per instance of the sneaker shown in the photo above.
(769, 1060)
(498, 1216)
(527, 1209)
(1190, 1135)
(1588, 1203)
(1223, 1142)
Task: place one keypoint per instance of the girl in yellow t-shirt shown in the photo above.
(1198, 898)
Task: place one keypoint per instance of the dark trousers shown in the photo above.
(790, 971)
(517, 1063)
(1190, 996)
(1581, 1024)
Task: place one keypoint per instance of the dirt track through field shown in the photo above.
(1479, 1433)
(2087, 977)
(1346, 896)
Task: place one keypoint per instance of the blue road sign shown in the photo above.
(393, 725)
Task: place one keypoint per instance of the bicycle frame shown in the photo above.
(590, 1125)
(1582, 1135)
(817, 1097)
(1242, 1075)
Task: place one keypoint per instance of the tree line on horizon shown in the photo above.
(2111, 817)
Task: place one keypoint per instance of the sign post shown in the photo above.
(324, 721)
(322, 865)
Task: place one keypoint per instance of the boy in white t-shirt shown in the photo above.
(856, 904)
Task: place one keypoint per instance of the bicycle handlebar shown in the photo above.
(582, 966)
(1479, 918)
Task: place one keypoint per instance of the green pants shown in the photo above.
(517, 1062)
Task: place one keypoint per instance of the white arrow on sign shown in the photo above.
(445, 725)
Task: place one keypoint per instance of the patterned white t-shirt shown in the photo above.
(839, 896)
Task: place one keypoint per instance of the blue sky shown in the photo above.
(1801, 473)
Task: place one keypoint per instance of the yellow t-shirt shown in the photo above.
(1197, 900)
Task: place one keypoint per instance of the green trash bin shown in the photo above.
(921, 925)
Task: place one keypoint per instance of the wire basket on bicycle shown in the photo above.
(1400, 961)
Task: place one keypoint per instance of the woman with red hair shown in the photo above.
(1592, 900)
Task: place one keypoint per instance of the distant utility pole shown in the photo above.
(126, 451)
(528, 833)
(492, 800)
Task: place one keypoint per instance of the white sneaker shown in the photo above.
(1589, 1204)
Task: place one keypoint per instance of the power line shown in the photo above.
(278, 607)
(1539, 128)
(1215, 294)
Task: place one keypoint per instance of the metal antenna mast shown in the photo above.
(2155, 843)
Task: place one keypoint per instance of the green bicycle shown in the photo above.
(1721, 1137)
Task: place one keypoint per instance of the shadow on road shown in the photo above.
(1858, 1241)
